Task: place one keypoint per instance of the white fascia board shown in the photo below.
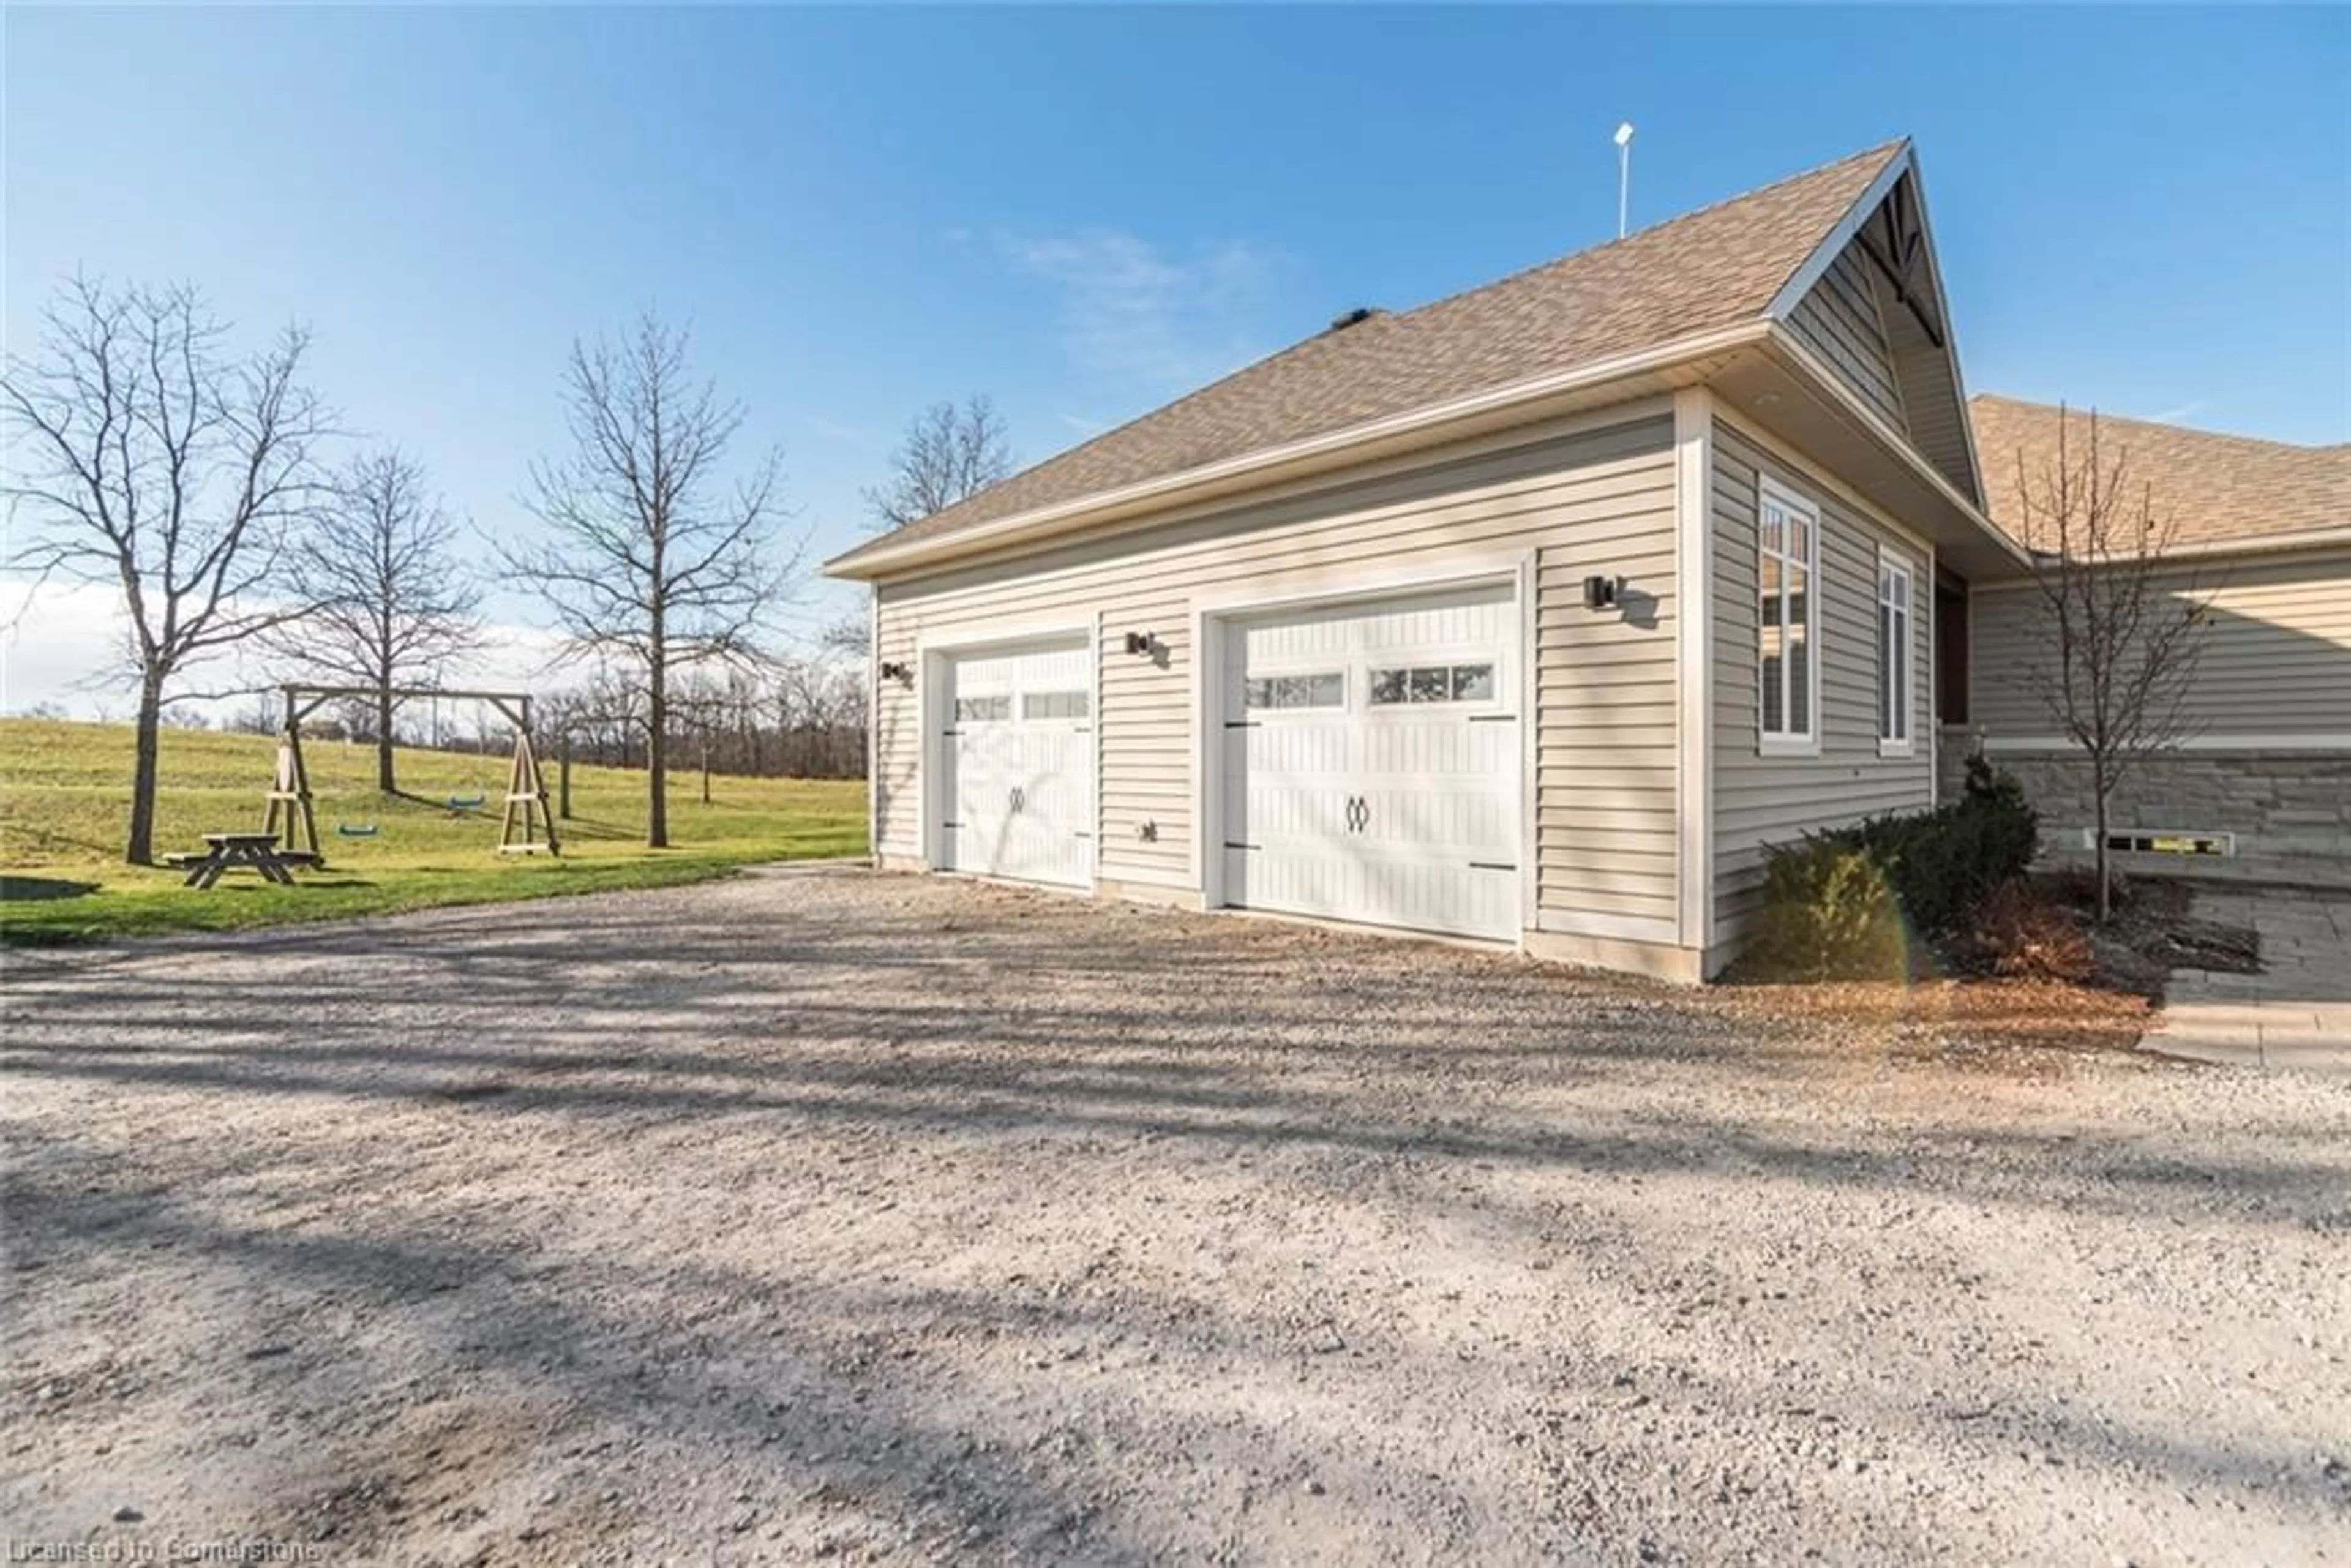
(1951, 332)
(1266, 465)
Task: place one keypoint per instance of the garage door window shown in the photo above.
(1296, 691)
(983, 710)
(1054, 705)
(1433, 683)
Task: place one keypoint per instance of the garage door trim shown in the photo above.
(933, 648)
(1403, 580)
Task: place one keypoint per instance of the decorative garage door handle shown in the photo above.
(1359, 813)
(1020, 799)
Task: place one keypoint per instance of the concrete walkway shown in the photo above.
(2296, 1015)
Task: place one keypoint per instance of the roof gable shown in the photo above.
(1870, 305)
(1713, 268)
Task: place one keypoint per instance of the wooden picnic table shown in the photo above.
(256, 852)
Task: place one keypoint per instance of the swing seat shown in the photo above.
(355, 830)
(468, 802)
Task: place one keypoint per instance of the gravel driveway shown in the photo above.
(829, 1215)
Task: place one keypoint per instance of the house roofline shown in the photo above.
(1423, 425)
(2295, 543)
(1814, 266)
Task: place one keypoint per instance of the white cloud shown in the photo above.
(1144, 321)
(60, 643)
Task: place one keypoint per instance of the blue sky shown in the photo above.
(1085, 211)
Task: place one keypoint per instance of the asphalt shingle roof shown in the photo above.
(2215, 488)
(1708, 269)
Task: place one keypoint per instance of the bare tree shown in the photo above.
(652, 557)
(2125, 624)
(948, 454)
(850, 634)
(154, 462)
(391, 604)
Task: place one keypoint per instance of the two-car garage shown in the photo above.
(1361, 760)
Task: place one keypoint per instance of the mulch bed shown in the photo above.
(1978, 1000)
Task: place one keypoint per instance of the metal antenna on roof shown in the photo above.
(1623, 171)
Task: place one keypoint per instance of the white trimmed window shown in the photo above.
(1787, 649)
(1894, 644)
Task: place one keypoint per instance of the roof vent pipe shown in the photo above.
(1347, 318)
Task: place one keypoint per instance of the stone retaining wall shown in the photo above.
(2291, 810)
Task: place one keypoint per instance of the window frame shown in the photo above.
(1893, 703)
(1785, 742)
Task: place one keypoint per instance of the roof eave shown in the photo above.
(1427, 425)
(1826, 383)
(2296, 542)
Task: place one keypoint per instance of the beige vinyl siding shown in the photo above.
(1595, 502)
(1760, 800)
(1931, 396)
(2276, 659)
(1839, 319)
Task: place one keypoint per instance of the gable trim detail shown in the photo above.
(1832, 244)
(1852, 229)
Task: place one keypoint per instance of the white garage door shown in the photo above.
(1016, 764)
(1371, 763)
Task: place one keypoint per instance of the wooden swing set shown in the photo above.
(527, 826)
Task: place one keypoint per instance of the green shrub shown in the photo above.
(1828, 910)
(1929, 870)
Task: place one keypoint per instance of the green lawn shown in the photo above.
(64, 797)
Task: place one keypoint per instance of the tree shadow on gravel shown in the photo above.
(745, 1384)
(953, 1024)
(843, 1391)
(1215, 1032)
